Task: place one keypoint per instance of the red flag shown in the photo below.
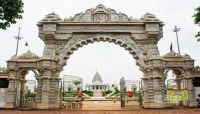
(26, 44)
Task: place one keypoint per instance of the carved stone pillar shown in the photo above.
(11, 94)
(191, 93)
(45, 94)
(45, 81)
(22, 92)
(163, 88)
(54, 94)
(158, 95)
(39, 91)
(151, 90)
(153, 86)
(145, 89)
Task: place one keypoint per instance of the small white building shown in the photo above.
(70, 83)
(133, 85)
(97, 84)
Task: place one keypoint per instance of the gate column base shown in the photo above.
(54, 106)
(154, 105)
(9, 105)
(43, 106)
(192, 104)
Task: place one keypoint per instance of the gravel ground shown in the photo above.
(108, 107)
(166, 111)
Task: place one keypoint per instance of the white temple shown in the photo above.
(97, 84)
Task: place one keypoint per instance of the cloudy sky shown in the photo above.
(111, 61)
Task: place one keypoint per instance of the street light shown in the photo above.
(18, 38)
(176, 30)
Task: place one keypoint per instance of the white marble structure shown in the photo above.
(97, 84)
(69, 84)
(63, 36)
(132, 85)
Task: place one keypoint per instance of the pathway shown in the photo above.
(97, 94)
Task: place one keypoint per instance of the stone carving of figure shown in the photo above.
(100, 16)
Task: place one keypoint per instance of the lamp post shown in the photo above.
(176, 30)
(18, 38)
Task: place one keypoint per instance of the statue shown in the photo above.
(171, 47)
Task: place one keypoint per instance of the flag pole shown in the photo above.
(18, 38)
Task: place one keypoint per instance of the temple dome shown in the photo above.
(97, 78)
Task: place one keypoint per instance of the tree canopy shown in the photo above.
(10, 11)
(197, 21)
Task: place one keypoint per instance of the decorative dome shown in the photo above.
(97, 78)
(52, 17)
(172, 54)
(13, 58)
(28, 55)
(186, 56)
(3, 69)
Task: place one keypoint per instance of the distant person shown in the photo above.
(140, 101)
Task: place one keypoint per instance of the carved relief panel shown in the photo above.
(152, 27)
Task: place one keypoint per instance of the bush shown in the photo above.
(103, 93)
(89, 93)
(108, 92)
(29, 94)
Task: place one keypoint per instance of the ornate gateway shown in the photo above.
(63, 36)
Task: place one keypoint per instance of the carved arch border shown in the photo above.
(179, 69)
(124, 40)
(22, 70)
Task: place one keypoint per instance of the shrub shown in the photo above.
(89, 93)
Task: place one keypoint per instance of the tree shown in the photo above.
(197, 21)
(10, 10)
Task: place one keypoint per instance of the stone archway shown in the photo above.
(124, 40)
(18, 67)
(63, 36)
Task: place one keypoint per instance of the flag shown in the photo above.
(171, 47)
(26, 44)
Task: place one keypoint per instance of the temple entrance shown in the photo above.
(175, 84)
(97, 91)
(25, 90)
(64, 36)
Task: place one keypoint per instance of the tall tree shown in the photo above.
(10, 11)
(197, 21)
